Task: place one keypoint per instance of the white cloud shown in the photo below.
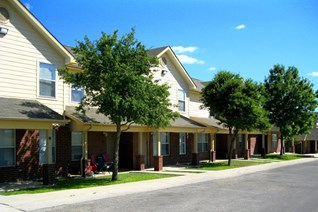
(314, 74)
(189, 60)
(239, 27)
(212, 69)
(28, 5)
(181, 49)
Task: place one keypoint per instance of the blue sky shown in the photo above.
(243, 36)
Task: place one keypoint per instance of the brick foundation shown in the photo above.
(158, 163)
(48, 171)
(247, 154)
(140, 162)
(213, 156)
(195, 159)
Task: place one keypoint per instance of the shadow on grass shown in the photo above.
(78, 183)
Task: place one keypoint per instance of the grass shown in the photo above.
(234, 164)
(242, 163)
(284, 157)
(72, 183)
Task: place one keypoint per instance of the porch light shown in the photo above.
(164, 72)
(3, 31)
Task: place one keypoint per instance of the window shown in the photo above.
(182, 144)
(7, 148)
(77, 141)
(43, 147)
(76, 94)
(202, 142)
(181, 99)
(274, 140)
(165, 143)
(47, 80)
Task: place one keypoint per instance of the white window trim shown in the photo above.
(201, 142)
(71, 100)
(14, 149)
(167, 142)
(274, 141)
(185, 98)
(38, 81)
(81, 145)
(185, 143)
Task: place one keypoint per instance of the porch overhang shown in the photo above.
(93, 121)
(212, 125)
(28, 114)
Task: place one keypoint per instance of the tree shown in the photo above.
(236, 102)
(290, 101)
(117, 78)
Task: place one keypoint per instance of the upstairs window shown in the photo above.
(77, 94)
(181, 100)
(47, 80)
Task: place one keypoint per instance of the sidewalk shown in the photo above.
(27, 202)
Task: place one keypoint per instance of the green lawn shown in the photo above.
(72, 183)
(284, 157)
(234, 164)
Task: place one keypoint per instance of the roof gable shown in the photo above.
(30, 18)
(159, 52)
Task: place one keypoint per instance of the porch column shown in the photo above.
(315, 146)
(158, 159)
(263, 145)
(269, 143)
(140, 157)
(48, 167)
(247, 151)
(85, 163)
(212, 151)
(293, 146)
(195, 155)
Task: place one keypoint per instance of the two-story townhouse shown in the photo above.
(32, 97)
(41, 131)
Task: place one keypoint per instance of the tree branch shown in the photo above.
(128, 126)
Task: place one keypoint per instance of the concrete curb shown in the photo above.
(27, 202)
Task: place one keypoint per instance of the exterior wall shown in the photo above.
(195, 109)
(97, 143)
(64, 152)
(174, 79)
(221, 146)
(21, 51)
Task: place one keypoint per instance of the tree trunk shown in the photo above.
(230, 153)
(282, 145)
(116, 153)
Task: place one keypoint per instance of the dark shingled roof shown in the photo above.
(210, 122)
(92, 117)
(198, 83)
(312, 135)
(26, 109)
(156, 51)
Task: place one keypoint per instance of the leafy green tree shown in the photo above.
(236, 102)
(117, 78)
(290, 101)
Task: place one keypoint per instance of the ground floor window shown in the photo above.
(7, 148)
(274, 140)
(202, 139)
(47, 136)
(182, 144)
(77, 146)
(164, 144)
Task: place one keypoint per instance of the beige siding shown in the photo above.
(21, 51)
(195, 107)
(174, 79)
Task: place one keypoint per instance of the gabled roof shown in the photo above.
(159, 52)
(28, 16)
